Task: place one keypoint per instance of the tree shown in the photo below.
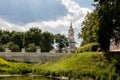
(31, 47)
(61, 40)
(46, 41)
(2, 49)
(0, 36)
(5, 38)
(17, 38)
(33, 36)
(109, 27)
(13, 47)
(89, 30)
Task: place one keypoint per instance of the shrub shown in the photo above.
(15, 48)
(9, 44)
(2, 49)
(31, 48)
(89, 47)
(3, 62)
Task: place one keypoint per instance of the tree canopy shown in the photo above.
(46, 42)
(109, 27)
(89, 30)
(103, 24)
(33, 38)
(61, 40)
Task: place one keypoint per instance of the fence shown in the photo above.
(31, 57)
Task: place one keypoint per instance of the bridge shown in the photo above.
(31, 57)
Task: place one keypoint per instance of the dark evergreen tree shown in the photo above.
(109, 28)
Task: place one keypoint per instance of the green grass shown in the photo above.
(89, 65)
(7, 67)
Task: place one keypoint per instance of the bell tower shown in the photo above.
(71, 33)
(71, 42)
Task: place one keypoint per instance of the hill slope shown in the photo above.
(93, 65)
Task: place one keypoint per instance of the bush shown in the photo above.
(31, 48)
(3, 62)
(89, 47)
(13, 47)
(9, 44)
(2, 49)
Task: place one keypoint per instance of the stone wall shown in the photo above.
(30, 57)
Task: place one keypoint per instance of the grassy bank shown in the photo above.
(7, 67)
(87, 65)
(83, 66)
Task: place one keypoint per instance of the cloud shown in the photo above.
(61, 25)
(6, 25)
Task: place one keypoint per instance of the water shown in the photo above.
(26, 78)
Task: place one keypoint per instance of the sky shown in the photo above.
(49, 15)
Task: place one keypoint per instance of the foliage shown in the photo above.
(17, 38)
(61, 40)
(33, 35)
(5, 38)
(46, 41)
(21, 40)
(14, 67)
(13, 47)
(31, 48)
(9, 44)
(19, 68)
(109, 27)
(2, 49)
(89, 47)
(3, 62)
(89, 31)
(90, 65)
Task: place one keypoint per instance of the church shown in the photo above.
(71, 48)
(71, 42)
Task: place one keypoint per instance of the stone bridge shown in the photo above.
(31, 57)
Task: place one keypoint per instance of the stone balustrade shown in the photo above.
(31, 57)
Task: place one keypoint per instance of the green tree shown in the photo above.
(0, 36)
(17, 38)
(61, 40)
(46, 41)
(31, 47)
(5, 38)
(13, 47)
(2, 49)
(90, 27)
(33, 36)
(109, 27)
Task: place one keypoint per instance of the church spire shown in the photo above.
(71, 33)
(71, 42)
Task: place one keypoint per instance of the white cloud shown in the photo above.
(6, 25)
(60, 25)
